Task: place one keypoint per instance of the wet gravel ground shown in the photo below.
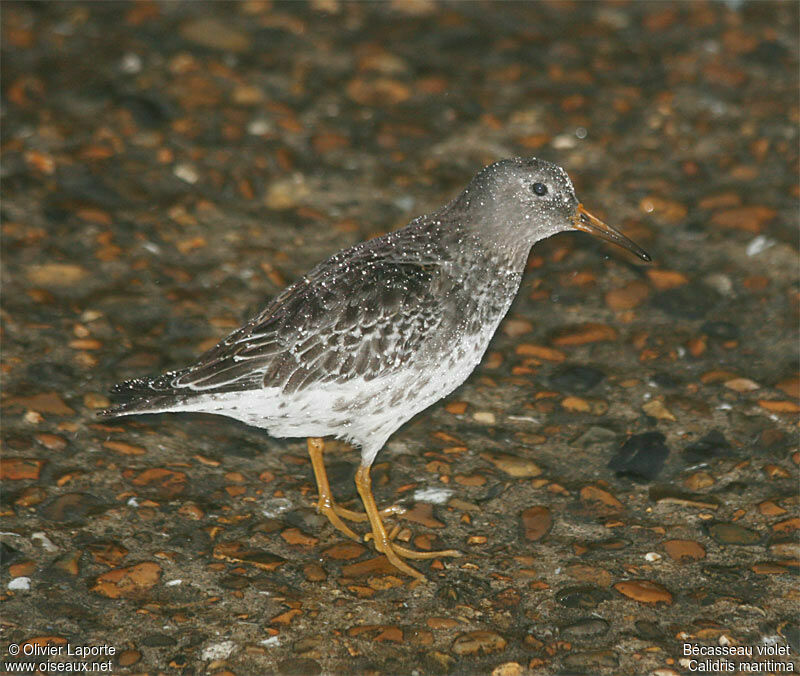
(621, 472)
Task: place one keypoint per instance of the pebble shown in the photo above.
(587, 628)
(575, 378)
(519, 468)
(479, 642)
(733, 534)
(644, 591)
(642, 455)
(19, 584)
(299, 666)
(685, 551)
(536, 522)
(210, 32)
(710, 446)
(128, 582)
(591, 662)
(582, 596)
(221, 650)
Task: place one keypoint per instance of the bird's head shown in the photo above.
(531, 199)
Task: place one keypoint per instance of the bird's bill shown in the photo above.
(585, 222)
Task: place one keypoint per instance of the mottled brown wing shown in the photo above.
(361, 313)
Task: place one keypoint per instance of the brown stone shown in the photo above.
(769, 508)
(294, 536)
(49, 402)
(769, 568)
(582, 335)
(667, 210)
(667, 279)
(107, 553)
(478, 643)
(235, 552)
(128, 582)
(644, 591)
(55, 274)
(128, 658)
(656, 409)
(540, 352)
(378, 565)
(166, 481)
(684, 551)
(344, 551)
(750, 219)
(441, 623)
(123, 448)
(513, 465)
(422, 513)
(790, 386)
(585, 573)
(313, 572)
(788, 525)
(16, 469)
(593, 496)
(742, 385)
(628, 297)
(536, 522)
(698, 481)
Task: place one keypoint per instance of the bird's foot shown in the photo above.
(361, 517)
(395, 553)
(331, 510)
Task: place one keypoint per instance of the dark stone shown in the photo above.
(589, 627)
(691, 301)
(642, 455)
(462, 589)
(722, 574)
(189, 540)
(81, 187)
(591, 662)
(299, 666)
(72, 507)
(670, 494)
(158, 641)
(712, 445)
(341, 475)
(665, 381)
(733, 534)
(768, 52)
(791, 632)
(596, 435)
(648, 630)
(306, 519)
(721, 330)
(148, 110)
(235, 582)
(57, 375)
(582, 596)
(8, 554)
(575, 378)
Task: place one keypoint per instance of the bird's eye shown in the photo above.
(539, 189)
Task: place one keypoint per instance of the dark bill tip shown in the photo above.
(585, 222)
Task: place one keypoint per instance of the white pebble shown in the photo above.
(186, 172)
(218, 651)
(436, 496)
(758, 244)
(20, 584)
(44, 542)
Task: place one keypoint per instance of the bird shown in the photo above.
(379, 332)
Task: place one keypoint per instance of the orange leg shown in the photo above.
(325, 504)
(383, 541)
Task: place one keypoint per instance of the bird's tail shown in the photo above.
(145, 395)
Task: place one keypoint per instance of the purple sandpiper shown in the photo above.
(380, 331)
